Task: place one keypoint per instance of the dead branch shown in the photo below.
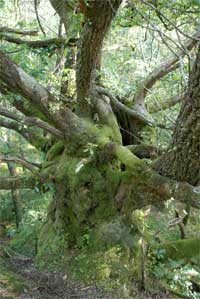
(37, 17)
(162, 70)
(5, 29)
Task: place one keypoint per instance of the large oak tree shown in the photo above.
(96, 174)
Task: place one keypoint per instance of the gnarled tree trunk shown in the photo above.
(182, 162)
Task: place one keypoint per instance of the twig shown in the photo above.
(37, 16)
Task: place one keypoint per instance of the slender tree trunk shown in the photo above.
(15, 197)
(183, 158)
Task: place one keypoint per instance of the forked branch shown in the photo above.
(34, 138)
(90, 44)
(27, 164)
(32, 121)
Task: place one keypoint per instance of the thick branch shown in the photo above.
(142, 186)
(18, 81)
(138, 114)
(76, 131)
(163, 70)
(57, 42)
(98, 17)
(159, 106)
(12, 125)
(180, 191)
(5, 29)
(27, 109)
(145, 151)
(145, 187)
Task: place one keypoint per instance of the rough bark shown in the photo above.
(89, 47)
(183, 159)
(20, 82)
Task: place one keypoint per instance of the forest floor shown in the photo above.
(19, 279)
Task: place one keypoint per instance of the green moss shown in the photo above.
(39, 142)
(110, 267)
(62, 167)
(52, 247)
(86, 132)
(104, 135)
(182, 249)
(55, 150)
(89, 199)
(126, 157)
(108, 134)
(90, 216)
